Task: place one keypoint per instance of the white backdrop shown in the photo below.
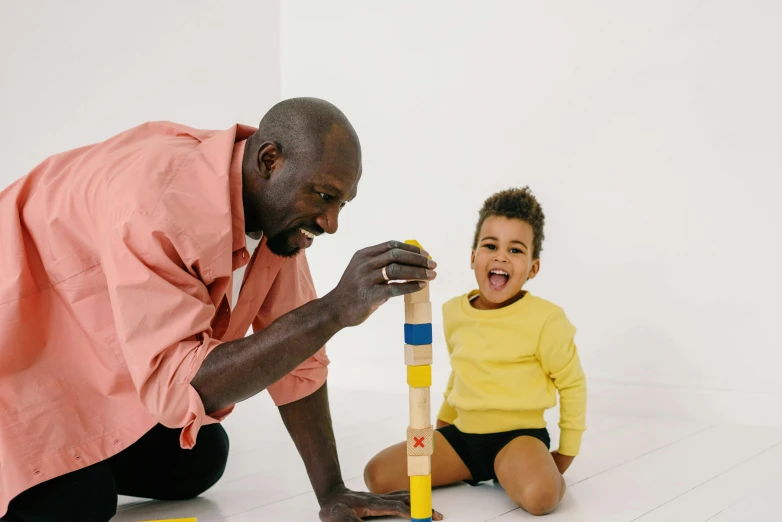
(75, 73)
(78, 73)
(649, 131)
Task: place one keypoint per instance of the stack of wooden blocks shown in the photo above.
(420, 433)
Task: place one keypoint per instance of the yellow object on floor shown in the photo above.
(174, 520)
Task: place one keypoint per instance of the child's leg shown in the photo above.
(529, 475)
(387, 471)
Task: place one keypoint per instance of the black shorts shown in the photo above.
(478, 451)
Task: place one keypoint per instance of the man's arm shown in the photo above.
(242, 368)
(308, 421)
(239, 369)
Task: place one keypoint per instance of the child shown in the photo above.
(510, 351)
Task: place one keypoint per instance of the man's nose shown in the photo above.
(329, 222)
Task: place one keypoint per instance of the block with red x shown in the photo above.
(420, 441)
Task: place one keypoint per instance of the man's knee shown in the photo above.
(538, 497)
(208, 467)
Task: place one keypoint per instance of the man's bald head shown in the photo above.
(301, 127)
(300, 168)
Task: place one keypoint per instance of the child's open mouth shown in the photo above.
(498, 279)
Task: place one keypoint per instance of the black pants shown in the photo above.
(153, 467)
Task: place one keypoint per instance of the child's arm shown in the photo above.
(559, 358)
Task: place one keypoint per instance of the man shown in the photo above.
(122, 345)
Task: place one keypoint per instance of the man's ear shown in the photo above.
(269, 158)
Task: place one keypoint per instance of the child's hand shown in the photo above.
(563, 462)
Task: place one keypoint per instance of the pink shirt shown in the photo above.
(117, 261)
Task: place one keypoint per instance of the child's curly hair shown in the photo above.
(515, 203)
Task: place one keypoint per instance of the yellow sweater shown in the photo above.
(507, 365)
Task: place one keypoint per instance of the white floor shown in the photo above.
(649, 470)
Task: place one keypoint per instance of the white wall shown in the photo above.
(75, 73)
(650, 131)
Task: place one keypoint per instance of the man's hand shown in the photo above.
(363, 288)
(563, 461)
(344, 505)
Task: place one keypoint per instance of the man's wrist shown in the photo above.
(336, 489)
(329, 309)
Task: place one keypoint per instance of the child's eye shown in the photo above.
(516, 251)
(325, 197)
(490, 247)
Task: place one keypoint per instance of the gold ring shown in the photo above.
(385, 276)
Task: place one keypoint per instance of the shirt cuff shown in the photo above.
(301, 382)
(570, 442)
(196, 416)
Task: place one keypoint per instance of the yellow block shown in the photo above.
(421, 496)
(174, 520)
(416, 243)
(419, 376)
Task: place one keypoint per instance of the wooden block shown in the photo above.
(420, 441)
(416, 243)
(421, 496)
(421, 296)
(420, 408)
(418, 333)
(419, 376)
(418, 354)
(419, 466)
(418, 313)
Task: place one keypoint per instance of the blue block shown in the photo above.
(418, 333)
(421, 519)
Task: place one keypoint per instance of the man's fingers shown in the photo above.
(377, 250)
(379, 507)
(339, 513)
(402, 257)
(397, 289)
(396, 272)
(402, 495)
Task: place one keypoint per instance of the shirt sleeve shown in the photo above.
(163, 313)
(292, 288)
(559, 357)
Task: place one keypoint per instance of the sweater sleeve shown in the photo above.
(559, 357)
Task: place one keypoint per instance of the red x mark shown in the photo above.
(419, 442)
